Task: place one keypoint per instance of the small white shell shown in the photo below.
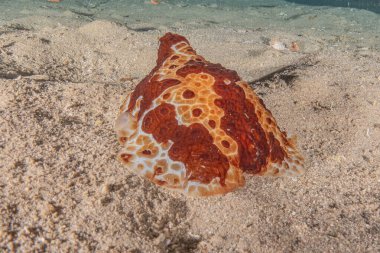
(278, 45)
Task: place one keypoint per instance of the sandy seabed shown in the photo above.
(62, 189)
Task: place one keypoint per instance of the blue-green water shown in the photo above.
(370, 5)
(357, 21)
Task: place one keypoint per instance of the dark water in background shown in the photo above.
(356, 16)
(371, 5)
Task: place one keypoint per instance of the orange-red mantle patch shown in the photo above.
(195, 126)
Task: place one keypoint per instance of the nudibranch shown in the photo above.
(195, 126)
